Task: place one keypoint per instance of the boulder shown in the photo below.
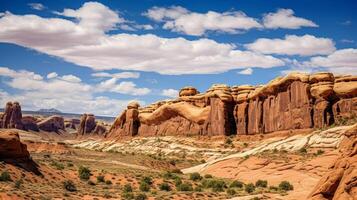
(52, 124)
(188, 91)
(11, 147)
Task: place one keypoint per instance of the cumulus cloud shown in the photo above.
(181, 20)
(170, 93)
(85, 42)
(65, 93)
(344, 58)
(305, 45)
(121, 75)
(37, 6)
(284, 18)
(248, 71)
(125, 87)
(52, 75)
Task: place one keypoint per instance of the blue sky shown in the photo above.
(80, 56)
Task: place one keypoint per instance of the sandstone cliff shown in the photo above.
(296, 101)
(88, 125)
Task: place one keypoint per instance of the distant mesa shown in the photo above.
(50, 110)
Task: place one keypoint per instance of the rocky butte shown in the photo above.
(296, 101)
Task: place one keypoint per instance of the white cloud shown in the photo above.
(181, 20)
(37, 6)
(85, 43)
(344, 58)
(52, 75)
(248, 71)
(170, 93)
(77, 97)
(121, 75)
(347, 41)
(125, 87)
(305, 45)
(71, 78)
(284, 18)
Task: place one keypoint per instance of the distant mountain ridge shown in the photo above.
(50, 110)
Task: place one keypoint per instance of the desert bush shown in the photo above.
(208, 176)
(178, 181)
(127, 195)
(195, 176)
(69, 186)
(249, 188)
(141, 196)
(228, 141)
(215, 185)
(145, 187)
(320, 152)
(147, 179)
(273, 188)
(18, 183)
(261, 183)
(185, 187)
(108, 182)
(127, 188)
(100, 179)
(231, 192)
(84, 173)
(91, 183)
(303, 150)
(57, 165)
(70, 164)
(199, 188)
(5, 176)
(165, 187)
(169, 175)
(285, 185)
(236, 184)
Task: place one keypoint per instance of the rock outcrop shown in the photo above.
(12, 116)
(88, 125)
(296, 101)
(11, 147)
(341, 181)
(52, 124)
(29, 123)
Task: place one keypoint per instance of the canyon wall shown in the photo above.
(296, 101)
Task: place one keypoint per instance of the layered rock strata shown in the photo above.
(88, 125)
(296, 101)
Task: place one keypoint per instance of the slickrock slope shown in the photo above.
(296, 101)
(341, 181)
(52, 124)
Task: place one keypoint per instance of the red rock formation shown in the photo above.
(11, 147)
(12, 116)
(297, 101)
(341, 181)
(88, 125)
(29, 123)
(52, 124)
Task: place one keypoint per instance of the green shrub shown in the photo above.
(144, 186)
(108, 182)
(91, 183)
(69, 186)
(195, 176)
(199, 188)
(231, 192)
(236, 184)
(261, 183)
(18, 183)
(228, 141)
(57, 165)
(273, 188)
(285, 185)
(185, 187)
(208, 176)
(320, 152)
(127, 195)
(5, 176)
(165, 187)
(218, 186)
(84, 173)
(249, 188)
(69, 164)
(303, 150)
(141, 196)
(147, 179)
(170, 175)
(127, 188)
(100, 179)
(178, 181)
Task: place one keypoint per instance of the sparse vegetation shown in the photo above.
(108, 182)
(286, 186)
(185, 187)
(303, 150)
(127, 188)
(100, 179)
(231, 192)
(69, 186)
(18, 183)
(141, 196)
(236, 184)
(165, 187)
(84, 173)
(249, 187)
(195, 176)
(208, 176)
(261, 183)
(5, 176)
(319, 152)
(144, 187)
(57, 165)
